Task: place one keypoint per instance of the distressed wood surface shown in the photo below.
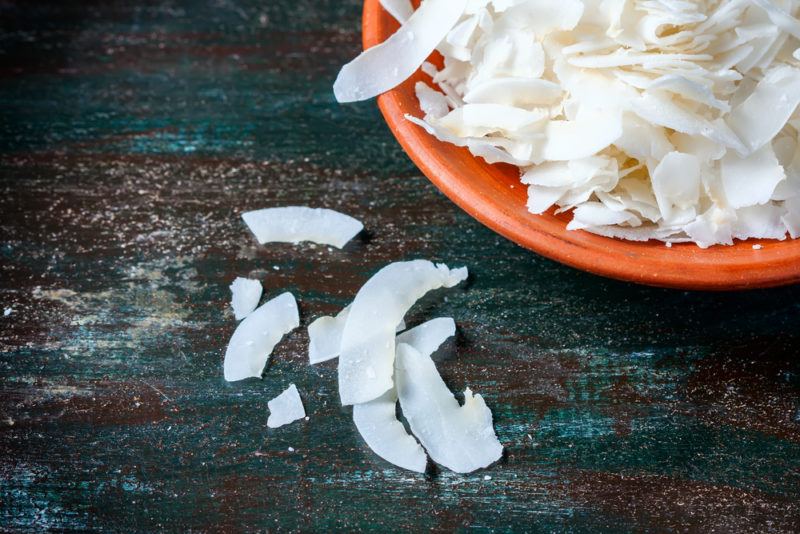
(132, 134)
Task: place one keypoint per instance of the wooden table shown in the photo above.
(132, 134)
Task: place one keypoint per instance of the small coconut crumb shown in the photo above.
(245, 294)
(668, 244)
(756, 247)
(487, 477)
(7, 312)
(291, 449)
(285, 408)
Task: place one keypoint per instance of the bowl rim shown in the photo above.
(682, 266)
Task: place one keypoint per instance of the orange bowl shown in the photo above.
(494, 195)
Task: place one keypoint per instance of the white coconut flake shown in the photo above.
(285, 408)
(401, 10)
(7, 312)
(760, 222)
(542, 198)
(685, 97)
(431, 102)
(477, 120)
(738, 177)
(712, 227)
(590, 214)
(377, 423)
(429, 336)
(325, 336)
(368, 341)
(676, 184)
(245, 294)
(781, 18)
(376, 420)
(255, 337)
(567, 140)
(479, 147)
(758, 119)
(293, 224)
(542, 17)
(517, 92)
(388, 64)
(458, 437)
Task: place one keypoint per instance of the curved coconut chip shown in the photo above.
(253, 340)
(325, 336)
(459, 437)
(368, 344)
(388, 64)
(293, 224)
(376, 420)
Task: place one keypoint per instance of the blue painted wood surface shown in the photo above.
(131, 137)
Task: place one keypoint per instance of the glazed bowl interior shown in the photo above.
(494, 195)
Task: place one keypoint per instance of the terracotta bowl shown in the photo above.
(493, 195)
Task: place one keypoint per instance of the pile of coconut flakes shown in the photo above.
(378, 367)
(674, 120)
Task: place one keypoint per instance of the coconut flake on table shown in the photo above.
(325, 336)
(368, 341)
(459, 437)
(245, 294)
(649, 84)
(429, 336)
(256, 336)
(377, 421)
(293, 224)
(285, 408)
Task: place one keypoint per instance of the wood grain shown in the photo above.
(133, 135)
